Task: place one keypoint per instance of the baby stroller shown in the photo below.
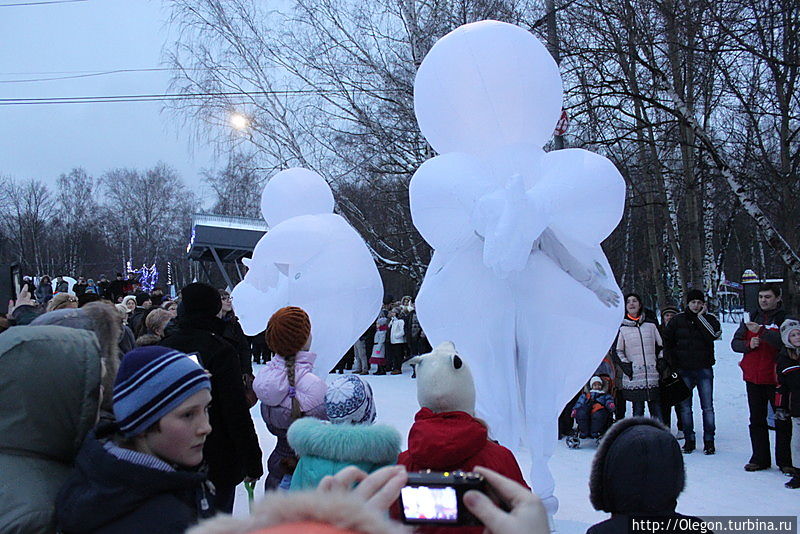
(600, 416)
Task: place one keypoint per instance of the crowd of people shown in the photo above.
(140, 419)
(647, 356)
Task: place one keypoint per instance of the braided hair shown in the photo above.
(288, 331)
(297, 413)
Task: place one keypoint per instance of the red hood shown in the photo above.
(443, 441)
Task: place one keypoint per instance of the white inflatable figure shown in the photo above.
(311, 258)
(518, 279)
(68, 279)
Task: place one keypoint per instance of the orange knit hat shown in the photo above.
(288, 330)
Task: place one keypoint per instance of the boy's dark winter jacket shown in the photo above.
(455, 440)
(789, 378)
(758, 365)
(689, 340)
(638, 470)
(231, 450)
(106, 494)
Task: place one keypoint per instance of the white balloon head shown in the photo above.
(294, 192)
(505, 89)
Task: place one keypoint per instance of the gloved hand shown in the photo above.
(627, 368)
(661, 365)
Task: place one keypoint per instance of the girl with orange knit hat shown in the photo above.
(287, 388)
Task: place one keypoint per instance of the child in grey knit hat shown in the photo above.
(788, 369)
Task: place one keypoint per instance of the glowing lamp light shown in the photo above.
(239, 121)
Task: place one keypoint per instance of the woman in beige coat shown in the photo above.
(638, 348)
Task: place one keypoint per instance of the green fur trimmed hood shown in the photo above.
(377, 444)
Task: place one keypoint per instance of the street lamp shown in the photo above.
(239, 121)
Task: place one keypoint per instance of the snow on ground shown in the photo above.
(716, 485)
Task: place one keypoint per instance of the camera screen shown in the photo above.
(425, 503)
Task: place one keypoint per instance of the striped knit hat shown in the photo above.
(151, 382)
(288, 330)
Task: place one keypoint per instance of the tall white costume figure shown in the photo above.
(518, 280)
(311, 258)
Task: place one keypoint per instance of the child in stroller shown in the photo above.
(593, 411)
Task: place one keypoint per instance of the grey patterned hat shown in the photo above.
(786, 328)
(349, 400)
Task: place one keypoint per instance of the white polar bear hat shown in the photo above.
(444, 381)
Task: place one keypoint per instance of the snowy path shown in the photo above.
(716, 485)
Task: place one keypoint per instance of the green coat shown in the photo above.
(49, 394)
(325, 449)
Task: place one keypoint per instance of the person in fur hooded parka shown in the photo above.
(349, 437)
(101, 319)
(638, 470)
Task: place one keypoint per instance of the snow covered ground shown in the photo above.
(716, 485)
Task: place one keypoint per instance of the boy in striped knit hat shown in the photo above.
(142, 473)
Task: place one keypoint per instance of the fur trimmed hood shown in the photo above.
(341, 510)
(638, 469)
(102, 319)
(376, 444)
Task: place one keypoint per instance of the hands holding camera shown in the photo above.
(382, 488)
(527, 514)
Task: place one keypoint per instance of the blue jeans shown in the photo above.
(703, 379)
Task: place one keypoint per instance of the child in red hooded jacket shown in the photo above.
(445, 435)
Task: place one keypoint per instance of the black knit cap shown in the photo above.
(200, 299)
(694, 294)
(141, 298)
(637, 469)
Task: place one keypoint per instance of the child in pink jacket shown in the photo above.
(287, 388)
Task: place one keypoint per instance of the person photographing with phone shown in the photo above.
(759, 340)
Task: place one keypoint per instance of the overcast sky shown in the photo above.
(79, 37)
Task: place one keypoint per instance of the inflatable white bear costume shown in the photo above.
(311, 258)
(518, 279)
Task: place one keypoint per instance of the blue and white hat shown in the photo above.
(151, 382)
(349, 400)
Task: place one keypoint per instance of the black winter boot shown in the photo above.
(708, 447)
(688, 447)
(794, 483)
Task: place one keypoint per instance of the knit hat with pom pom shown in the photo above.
(288, 330)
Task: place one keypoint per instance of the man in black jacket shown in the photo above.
(689, 348)
(231, 450)
(116, 289)
(144, 306)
